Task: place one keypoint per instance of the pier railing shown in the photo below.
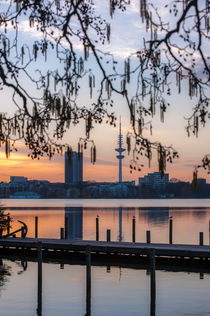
(22, 230)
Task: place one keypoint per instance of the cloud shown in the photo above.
(101, 161)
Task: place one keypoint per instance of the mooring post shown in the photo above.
(170, 230)
(22, 232)
(88, 281)
(66, 227)
(36, 226)
(148, 236)
(108, 235)
(8, 224)
(152, 283)
(134, 229)
(201, 238)
(209, 232)
(62, 233)
(39, 294)
(1, 232)
(97, 228)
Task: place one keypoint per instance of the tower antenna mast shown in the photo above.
(120, 150)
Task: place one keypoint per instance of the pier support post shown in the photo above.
(8, 224)
(62, 233)
(39, 294)
(88, 281)
(148, 236)
(134, 229)
(36, 226)
(201, 238)
(97, 228)
(171, 230)
(108, 235)
(152, 283)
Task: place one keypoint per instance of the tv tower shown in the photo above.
(120, 150)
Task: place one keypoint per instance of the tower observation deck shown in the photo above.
(120, 150)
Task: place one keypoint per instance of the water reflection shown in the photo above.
(80, 223)
(5, 273)
(120, 223)
(134, 293)
(157, 215)
(73, 222)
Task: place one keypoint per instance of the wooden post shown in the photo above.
(108, 235)
(171, 230)
(134, 229)
(152, 283)
(8, 224)
(1, 232)
(39, 294)
(97, 228)
(36, 226)
(66, 227)
(209, 232)
(22, 232)
(148, 236)
(88, 281)
(62, 233)
(201, 238)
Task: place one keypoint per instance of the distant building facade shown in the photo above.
(154, 180)
(15, 179)
(73, 168)
(24, 195)
(201, 181)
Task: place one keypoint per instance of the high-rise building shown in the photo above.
(73, 168)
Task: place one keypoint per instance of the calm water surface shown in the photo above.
(114, 290)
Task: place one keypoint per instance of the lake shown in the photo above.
(114, 289)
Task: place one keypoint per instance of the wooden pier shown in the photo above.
(102, 247)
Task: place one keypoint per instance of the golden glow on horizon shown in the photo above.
(19, 164)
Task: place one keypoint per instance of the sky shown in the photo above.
(126, 37)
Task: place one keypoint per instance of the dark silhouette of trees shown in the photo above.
(174, 49)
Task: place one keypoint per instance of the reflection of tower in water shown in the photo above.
(73, 222)
(120, 223)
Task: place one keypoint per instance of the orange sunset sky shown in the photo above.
(191, 150)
